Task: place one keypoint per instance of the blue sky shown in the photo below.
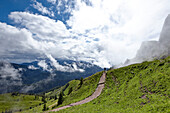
(8, 6)
(103, 32)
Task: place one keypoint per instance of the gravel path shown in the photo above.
(90, 98)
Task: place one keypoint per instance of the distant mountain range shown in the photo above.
(42, 75)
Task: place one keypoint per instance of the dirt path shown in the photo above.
(90, 98)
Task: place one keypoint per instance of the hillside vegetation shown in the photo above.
(18, 102)
(79, 92)
(138, 88)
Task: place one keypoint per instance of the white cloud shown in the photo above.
(76, 68)
(19, 44)
(47, 34)
(120, 25)
(42, 9)
(104, 33)
(32, 67)
(51, 1)
(43, 64)
(8, 71)
(9, 76)
(63, 68)
(43, 27)
(15, 41)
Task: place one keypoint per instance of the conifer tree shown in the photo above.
(55, 97)
(43, 99)
(70, 90)
(44, 107)
(81, 83)
(60, 100)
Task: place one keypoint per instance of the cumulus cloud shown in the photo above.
(120, 26)
(41, 26)
(20, 44)
(42, 9)
(16, 43)
(103, 32)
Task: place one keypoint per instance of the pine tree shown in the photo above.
(44, 107)
(60, 100)
(81, 83)
(36, 97)
(55, 97)
(70, 90)
(43, 99)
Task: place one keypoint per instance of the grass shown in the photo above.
(138, 88)
(88, 87)
(18, 102)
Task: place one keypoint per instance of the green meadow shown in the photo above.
(137, 88)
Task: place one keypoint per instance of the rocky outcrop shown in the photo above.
(150, 50)
(165, 35)
(154, 49)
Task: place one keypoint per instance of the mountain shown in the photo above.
(137, 88)
(165, 35)
(154, 49)
(42, 75)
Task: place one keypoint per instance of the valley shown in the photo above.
(143, 87)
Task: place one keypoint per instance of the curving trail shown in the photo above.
(90, 98)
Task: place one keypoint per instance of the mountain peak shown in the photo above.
(151, 49)
(165, 34)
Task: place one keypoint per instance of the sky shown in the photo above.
(102, 32)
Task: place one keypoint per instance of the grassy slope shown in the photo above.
(8, 102)
(73, 83)
(136, 88)
(88, 87)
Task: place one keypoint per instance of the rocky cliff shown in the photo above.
(154, 49)
(165, 35)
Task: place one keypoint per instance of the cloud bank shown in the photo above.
(103, 32)
(9, 77)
